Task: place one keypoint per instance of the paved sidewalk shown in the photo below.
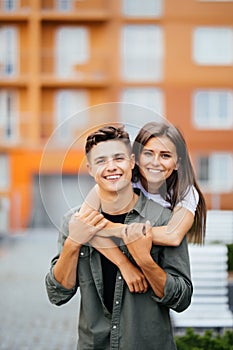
(28, 320)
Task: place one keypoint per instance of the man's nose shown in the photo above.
(111, 164)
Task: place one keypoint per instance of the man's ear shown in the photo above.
(89, 169)
(132, 160)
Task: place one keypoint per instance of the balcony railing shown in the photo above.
(12, 6)
(77, 6)
(15, 67)
(95, 70)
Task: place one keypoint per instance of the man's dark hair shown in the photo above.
(108, 133)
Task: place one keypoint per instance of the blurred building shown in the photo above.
(59, 57)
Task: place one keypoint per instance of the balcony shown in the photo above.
(14, 9)
(14, 72)
(15, 129)
(94, 72)
(75, 9)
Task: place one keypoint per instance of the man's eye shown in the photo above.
(119, 158)
(99, 161)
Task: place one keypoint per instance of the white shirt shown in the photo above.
(189, 202)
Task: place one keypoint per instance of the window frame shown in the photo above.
(201, 58)
(4, 172)
(127, 6)
(64, 62)
(211, 184)
(10, 49)
(64, 120)
(133, 58)
(11, 120)
(213, 106)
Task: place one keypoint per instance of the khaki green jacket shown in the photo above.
(138, 321)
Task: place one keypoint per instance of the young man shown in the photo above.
(112, 317)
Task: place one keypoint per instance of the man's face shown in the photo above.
(111, 165)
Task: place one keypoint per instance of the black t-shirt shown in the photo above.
(109, 270)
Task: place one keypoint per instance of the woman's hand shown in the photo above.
(84, 226)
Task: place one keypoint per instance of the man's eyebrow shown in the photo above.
(100, 157)
(113, 156)
(119, 154)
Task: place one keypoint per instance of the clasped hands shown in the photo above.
(84, 225)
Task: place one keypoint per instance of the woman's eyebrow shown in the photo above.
(151, 150)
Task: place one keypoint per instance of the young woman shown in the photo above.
(164, 173)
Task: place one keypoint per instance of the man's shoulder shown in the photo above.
(154, 212)
(70, 212)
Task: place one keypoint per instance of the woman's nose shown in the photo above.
(155, 160)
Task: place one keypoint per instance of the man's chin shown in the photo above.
(116, 187)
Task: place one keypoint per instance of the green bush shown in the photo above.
(207, 341)
(230, 257)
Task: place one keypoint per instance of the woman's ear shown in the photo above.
(177, 164)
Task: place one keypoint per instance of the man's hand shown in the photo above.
(138, 238)
(133, 277)
(84, 226)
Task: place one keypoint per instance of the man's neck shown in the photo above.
(121, 202)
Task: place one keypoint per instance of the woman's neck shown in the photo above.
(118, 202)
(150, 188)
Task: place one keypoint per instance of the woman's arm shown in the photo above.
(170, 235)
(178, 226)
(92, 200)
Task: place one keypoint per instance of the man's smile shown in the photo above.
(113, 177)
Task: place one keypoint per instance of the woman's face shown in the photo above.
(157, 161)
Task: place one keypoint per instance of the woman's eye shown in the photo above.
(166, 156)
(147, 154)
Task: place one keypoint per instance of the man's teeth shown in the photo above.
(113, 177)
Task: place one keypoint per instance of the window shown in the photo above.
(4, 214)
(64, 5)
(72, 48)
(140, 105)
(213, 46)
(10, 5)
(8, 112)
(139, 8)
(142, 53)
(213, 109)
(215, 0)
(215, 172)
(4, 172)
(9, 51)
(70, 113)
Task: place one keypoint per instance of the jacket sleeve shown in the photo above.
(178, 288)
(57, 294)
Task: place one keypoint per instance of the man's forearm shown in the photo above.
(155, 276)
(65, 270)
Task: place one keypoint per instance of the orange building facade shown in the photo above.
(63, 63)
